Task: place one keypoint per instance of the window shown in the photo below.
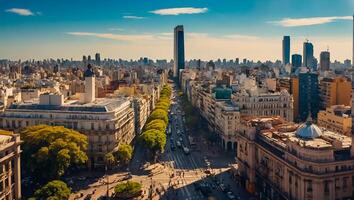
(309, 186)
(345, 183)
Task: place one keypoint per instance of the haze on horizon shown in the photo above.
(40, 29)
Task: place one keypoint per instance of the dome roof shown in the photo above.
(89, 71)
(308, 130)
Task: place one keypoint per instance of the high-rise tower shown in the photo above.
(325, 60)
(308, 59)
(286, 50)
(178, 50)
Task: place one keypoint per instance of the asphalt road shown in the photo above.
(172, 177)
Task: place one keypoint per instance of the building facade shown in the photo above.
(281, 160)
(335, 91)
(178, 50)
(286, 50)
(336, 118)
(308, 59)
(265, 104)
(325, 61)
(10, 167)
(309, 100)
(296, 62)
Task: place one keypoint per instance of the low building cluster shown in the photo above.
(107, 121)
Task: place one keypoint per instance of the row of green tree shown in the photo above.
(154, 131)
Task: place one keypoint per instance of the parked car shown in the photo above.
(178, 143)
(186, 150)
(230, 195)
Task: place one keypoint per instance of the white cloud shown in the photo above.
(179, 11)
(132, 17)
(293, 22)
(20, 11)
(118, 37)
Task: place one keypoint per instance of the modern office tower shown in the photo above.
(210, 66)
(244, 61)
(145, 61)
(98, 59)
(237, 61)
(84, 59)
(199, 64)
(286, 50)
(325, 61)
(178, 50)
(10, 165)
(89, 59)
(309, 100)
(308, 59)
(296, 61)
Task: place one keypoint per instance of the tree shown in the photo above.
(154, 140)
(109, 159)
(52, 149)
(54, 190)
(159, 114)
(157, 124)
(125, 153)
(127, 190)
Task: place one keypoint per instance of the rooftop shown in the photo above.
(99, 105)
(307, 135)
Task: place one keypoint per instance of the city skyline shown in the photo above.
(40, 30)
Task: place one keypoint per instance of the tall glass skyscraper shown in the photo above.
(309, 100)
(178, 50)
(308, 59)
(325, 61)
(286, 50)
(296, 61)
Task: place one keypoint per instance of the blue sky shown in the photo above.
(131, 29)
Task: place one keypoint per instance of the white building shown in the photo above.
(106, 122)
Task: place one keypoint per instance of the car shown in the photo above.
(171, 139)
(186, 150)
(230, 195)
(88, 197)
(180, 139)
(173, 147)
(178, 143)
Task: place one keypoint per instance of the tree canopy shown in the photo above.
(52, 149)
(109, 159)
(127, 190)
(54, 190)
(125, 153)
(153, 136)
(154, 140)
(157, 124)
(159, 114)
